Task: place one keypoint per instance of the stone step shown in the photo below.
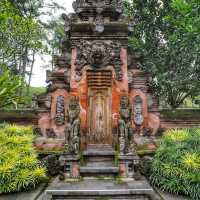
(99, 155)
(97, 152)
(90, 170)
(101, 189)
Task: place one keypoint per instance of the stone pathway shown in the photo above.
(38, 193)
(29, 195)
(168, 196)
(91, 188)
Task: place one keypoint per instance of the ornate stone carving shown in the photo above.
(138, 115)
(125, 130)
(72, 132)
(44, 101)
(98, 54)
(99, 23)
(60, 111)
(62, 61)
(53, 165)
(50, 133)
(38, 132)
(80, 5)
(58, 80)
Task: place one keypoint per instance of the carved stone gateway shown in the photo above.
(96, 95)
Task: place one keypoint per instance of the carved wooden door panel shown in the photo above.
(99, 111)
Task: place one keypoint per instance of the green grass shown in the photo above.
(176, 165)
(19, 167)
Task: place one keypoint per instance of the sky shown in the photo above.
(39, 73)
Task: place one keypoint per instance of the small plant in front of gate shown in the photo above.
(176, 165)
(19, 167)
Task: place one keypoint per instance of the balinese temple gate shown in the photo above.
(97, 98)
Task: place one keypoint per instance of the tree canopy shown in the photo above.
(24, 34)
(167, 38)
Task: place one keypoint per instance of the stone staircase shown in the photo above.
(100, 179)
(99, 161)
(94, 189)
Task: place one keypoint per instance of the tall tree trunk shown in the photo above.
(30, 73)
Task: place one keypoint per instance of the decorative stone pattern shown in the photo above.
(98, 54)
(60, 111)
(100, 6)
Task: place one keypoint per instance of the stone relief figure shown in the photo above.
(125, 131)
(60, 111)
(72, 132)
(138, 115)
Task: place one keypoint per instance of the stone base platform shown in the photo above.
(95, 189)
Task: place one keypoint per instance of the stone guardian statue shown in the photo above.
(72, 132)
(125, 130)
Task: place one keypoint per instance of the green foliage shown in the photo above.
(32, 91)
(18, 36)
(176, 165)
(9, 86)
(167, 39)
(181, 113)
(19, 166)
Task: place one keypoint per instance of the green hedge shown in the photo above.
(176, 165)
(19, 167)
(181, 113)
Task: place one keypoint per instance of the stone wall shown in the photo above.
(21, 117)
(30, 117)
(180, 118)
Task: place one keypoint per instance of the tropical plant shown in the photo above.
(166, 40)
(9, 87)
(176, 165)
(19, 167)
(24, 35)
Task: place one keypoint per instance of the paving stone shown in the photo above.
(107, 189)
(28, 195)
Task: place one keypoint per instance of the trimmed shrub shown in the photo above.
(176, 165)
(19, 167)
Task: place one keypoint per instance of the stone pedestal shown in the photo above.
(128, 165)
(71, 165)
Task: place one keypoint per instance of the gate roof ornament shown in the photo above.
(98, 30)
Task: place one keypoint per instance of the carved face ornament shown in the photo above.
(97, 55)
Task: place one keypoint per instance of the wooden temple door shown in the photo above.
(99, 108)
